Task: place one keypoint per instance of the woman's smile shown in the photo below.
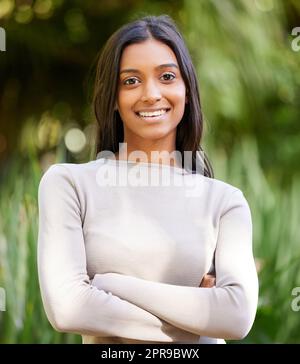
(153, 115)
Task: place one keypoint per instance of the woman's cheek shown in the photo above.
(178, 93)
(128, 98)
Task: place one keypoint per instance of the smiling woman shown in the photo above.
(151, 263)
(145, 67)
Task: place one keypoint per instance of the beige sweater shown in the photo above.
(122, 262)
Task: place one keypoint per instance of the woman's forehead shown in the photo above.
(149, 52)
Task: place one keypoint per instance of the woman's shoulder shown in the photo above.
(66, 173)
(224, 193)
(218, 186)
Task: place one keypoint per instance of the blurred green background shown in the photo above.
(250, 88)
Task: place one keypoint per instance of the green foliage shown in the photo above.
(249, 77)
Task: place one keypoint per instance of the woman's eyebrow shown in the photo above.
(128, 70)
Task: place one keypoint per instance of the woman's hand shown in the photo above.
(208, 281)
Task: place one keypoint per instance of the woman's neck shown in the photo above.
(157, 157)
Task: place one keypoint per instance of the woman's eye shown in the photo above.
(129, 79)
(168, 75)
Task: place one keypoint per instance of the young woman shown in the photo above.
(120, 257)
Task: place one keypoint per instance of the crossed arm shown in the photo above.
(119, 305)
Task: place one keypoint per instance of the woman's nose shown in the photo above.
(151, 93)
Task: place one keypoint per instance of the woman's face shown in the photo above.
(150, 81)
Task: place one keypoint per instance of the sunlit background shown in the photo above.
(248, 68)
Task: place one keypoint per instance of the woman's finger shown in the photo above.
(208, 281)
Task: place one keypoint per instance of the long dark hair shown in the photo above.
(109, 132)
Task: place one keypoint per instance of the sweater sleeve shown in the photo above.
(227, 310)
(71, 303)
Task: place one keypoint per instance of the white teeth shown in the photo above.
(154, 113)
